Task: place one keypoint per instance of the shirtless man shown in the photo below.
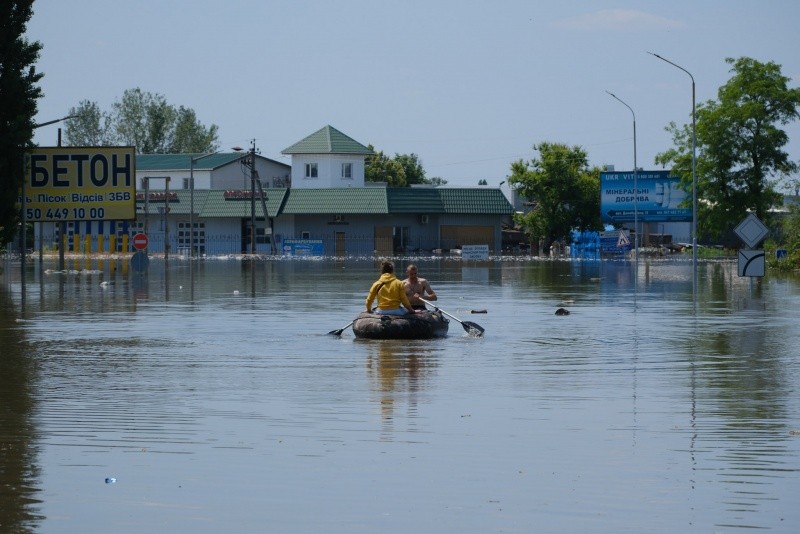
(417, 287)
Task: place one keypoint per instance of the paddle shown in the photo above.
(470, 328)
(339, 332)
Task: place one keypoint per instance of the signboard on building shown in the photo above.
(657, 197)
(80, 184)
(475, 252)
(303, 247)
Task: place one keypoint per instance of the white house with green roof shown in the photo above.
(321, 198)
(327, 159)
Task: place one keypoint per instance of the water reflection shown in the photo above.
(400, 370)
(19, 482)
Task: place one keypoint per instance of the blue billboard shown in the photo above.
(303, 247)
(657, 198)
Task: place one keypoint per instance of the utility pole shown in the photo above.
(253, 197)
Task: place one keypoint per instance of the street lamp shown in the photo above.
(191, 198)
(694, 176)
(635, 189)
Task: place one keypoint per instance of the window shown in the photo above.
(347, 170)
(311, 170)
(185, 236)
(305, 235)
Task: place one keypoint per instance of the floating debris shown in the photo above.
(562, 311)
(479, 311)
(110, 480)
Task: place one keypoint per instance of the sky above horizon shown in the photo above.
(468, 86)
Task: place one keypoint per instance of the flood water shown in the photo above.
(209, 397)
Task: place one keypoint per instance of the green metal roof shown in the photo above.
(182, 162)
(414, 200)
(337, 201)
(367, 200)
(474, 200)
(327, 140)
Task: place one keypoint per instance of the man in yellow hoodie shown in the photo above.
(390, 293)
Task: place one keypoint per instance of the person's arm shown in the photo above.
(426, 288)
(371, 297)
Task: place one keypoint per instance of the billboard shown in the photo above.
(303, 247)
(80, 184)
(657, 200)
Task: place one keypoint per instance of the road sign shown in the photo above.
(140, 241)
(751, 263)
(140, 261)
(752, 231)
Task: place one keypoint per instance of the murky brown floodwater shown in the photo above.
(223, 405)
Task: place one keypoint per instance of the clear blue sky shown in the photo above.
(469, 86)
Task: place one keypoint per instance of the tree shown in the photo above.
(740, 145)
(412, 167)
(191, 136)
(18, 94)
(563, 190)
(89, 127)
(403, 170)
(381, 168)
(144, 120)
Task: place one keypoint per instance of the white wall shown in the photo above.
(329, 167)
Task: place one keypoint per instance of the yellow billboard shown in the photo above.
(80, 184)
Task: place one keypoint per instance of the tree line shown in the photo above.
(143, 120)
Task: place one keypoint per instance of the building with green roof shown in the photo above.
(335, 209)
(327, 159)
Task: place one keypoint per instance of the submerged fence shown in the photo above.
(207, 244)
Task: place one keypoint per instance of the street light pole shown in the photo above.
(635, 188)
(694, 175)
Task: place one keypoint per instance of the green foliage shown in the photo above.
(563, 190)
(18, 96)
(89, 127)
(790, 242)
(191, 136)
(381, 168)
(141, 119)
(483, 182)
(412, 167)
(740, 153)
(403, 170)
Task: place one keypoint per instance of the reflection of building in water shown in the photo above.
(17, 454)
(400, 370)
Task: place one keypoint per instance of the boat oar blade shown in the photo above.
(339, 332)
(473, 329)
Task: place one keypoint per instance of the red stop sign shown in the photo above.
(140, 241)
